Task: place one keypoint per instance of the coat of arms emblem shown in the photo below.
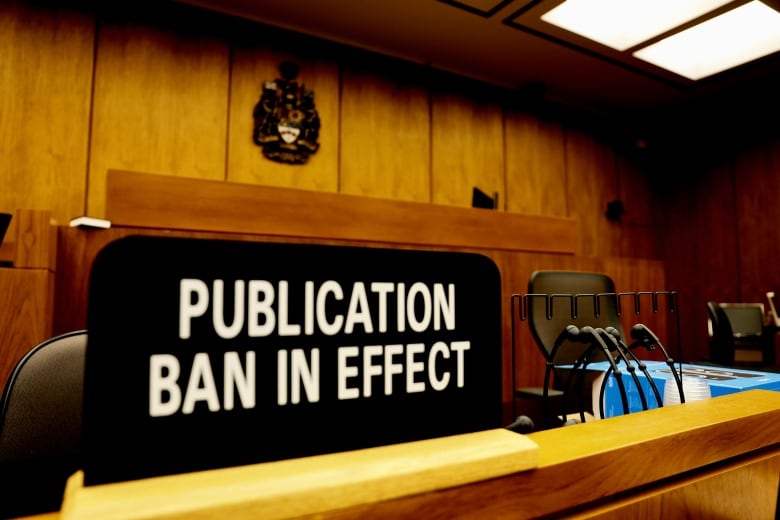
(286, 123)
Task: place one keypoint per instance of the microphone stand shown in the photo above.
(583, 360)
(569, 332)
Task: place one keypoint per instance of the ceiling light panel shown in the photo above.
(622, 24)
(744, 34)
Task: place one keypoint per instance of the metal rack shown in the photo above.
(670, 296)
(635, 302)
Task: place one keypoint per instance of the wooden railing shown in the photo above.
(156, 201)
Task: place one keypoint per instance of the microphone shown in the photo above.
(612, 331)
(645, 337)
(523, 424)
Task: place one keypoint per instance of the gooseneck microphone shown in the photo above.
(641, 364)
(646, 338)
(611, 339)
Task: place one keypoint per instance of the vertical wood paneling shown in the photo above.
(254, 64)
(385, 134)
(535, 166)
(700, 251)
(160, 101)
(25, 314)
(592, 182)
(468, 145)
(641, 276)
(637, 230)
(636, 191)
(757, 195)
(45, 80)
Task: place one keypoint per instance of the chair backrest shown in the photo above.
(737, 333)
(592, 292)
(721, 335)
(746, 319)
(40, 425)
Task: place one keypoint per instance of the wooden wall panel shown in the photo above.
(160, 101)
(700, 251)
(251, 66)
(535, 165)
(26, 305)
(45, 80)
(27, 287)
(636, 190)
(638, 228)
(636, 275)
(174, 91)
(468, 147)
(592, 182)
(385, 134)
(756, 193)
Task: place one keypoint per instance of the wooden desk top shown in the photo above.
(589, 463)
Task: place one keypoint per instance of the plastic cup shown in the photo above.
(694, 389)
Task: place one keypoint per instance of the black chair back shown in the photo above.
(738, 335)
(40, 425)
(570, 298)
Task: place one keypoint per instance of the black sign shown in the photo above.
(210, 353)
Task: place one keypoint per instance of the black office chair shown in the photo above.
(40, 426)
(552, 300)
(738, 335)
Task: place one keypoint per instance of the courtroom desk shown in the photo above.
(718, 458)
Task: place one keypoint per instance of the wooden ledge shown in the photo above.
(157, 201)
(584, 465)
(310, 485)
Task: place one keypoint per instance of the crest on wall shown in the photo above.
(286, 123)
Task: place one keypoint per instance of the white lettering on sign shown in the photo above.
(357, 368)
(395, 368)
(302, 374)
(259, 308)
(165, 393)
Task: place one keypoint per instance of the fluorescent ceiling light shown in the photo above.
(622, 24)
(746, 33)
